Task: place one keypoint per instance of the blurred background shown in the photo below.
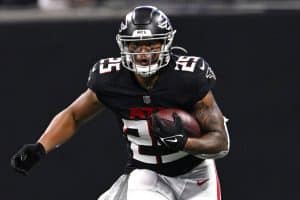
(48, 46)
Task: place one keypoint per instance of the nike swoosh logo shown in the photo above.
(201, 182)
(171, 140)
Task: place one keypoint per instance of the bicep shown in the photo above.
(209, 115)
(85, 106)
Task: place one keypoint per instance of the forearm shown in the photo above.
(210, 143)
(62, 127)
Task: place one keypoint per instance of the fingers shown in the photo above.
(15, 162)
(175, 117)
(21, 171)
(164, 124)
(28, 156)
(157, 122)
(159, 126)
(177, 120)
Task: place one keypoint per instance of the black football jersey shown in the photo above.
(183, 82)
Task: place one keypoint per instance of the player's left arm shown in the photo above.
(214, 142)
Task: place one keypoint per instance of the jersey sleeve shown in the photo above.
(204, 78)
(93, 82)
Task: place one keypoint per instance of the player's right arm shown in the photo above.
(62, 127)
(64, 124)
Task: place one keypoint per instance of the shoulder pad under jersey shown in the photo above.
(196, 65)
(196, 74)
(102, 69)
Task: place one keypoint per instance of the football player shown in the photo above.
(146, 78)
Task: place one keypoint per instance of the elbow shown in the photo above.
(69, 116)
(224, 144)
(224, 150)
(215, 156)
(224, 147)
(220, 154)
(221, 148)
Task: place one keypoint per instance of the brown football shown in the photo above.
(189, 122)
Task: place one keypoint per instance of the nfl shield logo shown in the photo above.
(146, 99)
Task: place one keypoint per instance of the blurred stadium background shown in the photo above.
(48, 46)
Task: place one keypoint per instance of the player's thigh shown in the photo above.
(117, 191)
(202, 183)
(148, 185)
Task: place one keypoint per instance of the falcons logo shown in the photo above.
(163, 23)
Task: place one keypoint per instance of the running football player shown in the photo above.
(148, 77)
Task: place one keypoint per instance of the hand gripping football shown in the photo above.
(189, 122)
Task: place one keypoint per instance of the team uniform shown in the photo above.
(152, 166)
(155, 170)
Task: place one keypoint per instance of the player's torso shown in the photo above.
(122, 93)
(119, 90)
